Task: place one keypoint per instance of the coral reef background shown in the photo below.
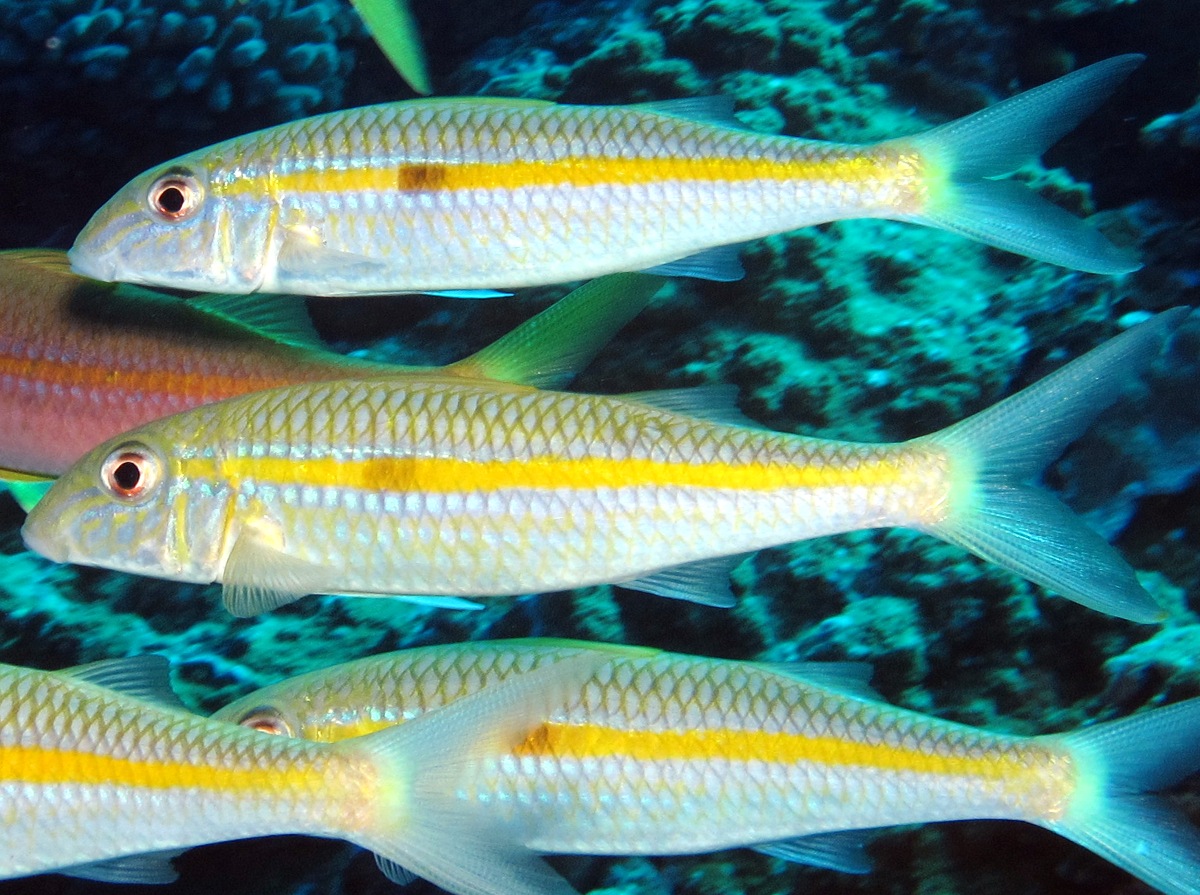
(863, 330)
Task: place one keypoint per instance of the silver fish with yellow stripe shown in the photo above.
(661, 753)
(467, 196)
(105, 776)
(437, 485)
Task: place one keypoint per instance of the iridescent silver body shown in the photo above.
(737, 753)
(432, 486)
(458, 194)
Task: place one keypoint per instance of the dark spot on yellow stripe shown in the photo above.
(537, 743)
(420, 177)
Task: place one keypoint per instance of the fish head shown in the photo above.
(126, 506)
(267, 711)
(181, 225)
(327, 705)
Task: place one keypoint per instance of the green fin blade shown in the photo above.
(547, 350)
(394, 29)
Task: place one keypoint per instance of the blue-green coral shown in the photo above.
(283, 58)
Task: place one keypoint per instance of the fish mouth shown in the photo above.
(99, 267)
(39, 543)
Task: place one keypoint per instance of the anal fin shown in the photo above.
(841, 850)
(720, 263)
(151, 868)
(705, 581)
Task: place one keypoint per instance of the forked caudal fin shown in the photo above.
(1112, 812)
(962, 156)
(996, 510)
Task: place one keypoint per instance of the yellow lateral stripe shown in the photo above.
(575, 172)
(450, 475)
(34, 765)
(594, 741)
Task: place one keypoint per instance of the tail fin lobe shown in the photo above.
(963, 155)
(1119, 764)
(997, 512)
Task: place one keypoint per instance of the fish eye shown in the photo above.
(131, 472)
(175, 196)
(266, 720)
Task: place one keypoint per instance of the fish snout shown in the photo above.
(40, 540)
(98, 266)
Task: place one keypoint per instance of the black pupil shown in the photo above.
(127, 475)
(171, 199)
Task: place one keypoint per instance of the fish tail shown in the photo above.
(1113, 812)
(419, 825)
(962, 156)
(996, 510)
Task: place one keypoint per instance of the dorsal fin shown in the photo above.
(714, 403)
(146, 677)
(551, 347)
(847, 678)
(717, 109)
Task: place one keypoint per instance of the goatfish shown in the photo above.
(470, 196)
(660, 753)
(106, 776)
(442, 486)
(82, 361)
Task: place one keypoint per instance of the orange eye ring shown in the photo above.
(131, 472)
(175, 196)
(265, 719)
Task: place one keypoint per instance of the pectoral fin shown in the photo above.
(848, 678)
(280, 318)
(259, 576)
(303, 261)
(714, 403)
(715, 109)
